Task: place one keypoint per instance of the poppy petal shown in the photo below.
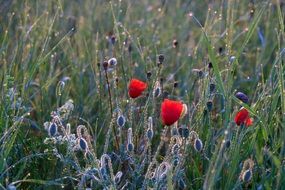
(171, 111)
(241, 116)
(136, 87)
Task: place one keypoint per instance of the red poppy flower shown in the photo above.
(136, 87)
(171, 111)
(242, 117)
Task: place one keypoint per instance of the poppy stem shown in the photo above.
(111, 108)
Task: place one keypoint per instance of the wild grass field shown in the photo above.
(169, 94)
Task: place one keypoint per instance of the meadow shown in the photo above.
(127, 94)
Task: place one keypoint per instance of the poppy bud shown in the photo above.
(112, 61)
(113, 39)
(198, 144)
(184, 131)
(157, 89)
(210, 65)
(161, 58)
(118, 177)
(121, 121)
(175, 85)
(209, 105)
(175, 43)
(105, 65)
(246, 175)
(242, 117)
(175, 161)
(149, 134)
(241, 96)
(174, 131)
(148, 74)
(130, 147)
(52, 130)
(83, 144)
(175, 149)
(130, 48)
(212, 87)
(181, 184)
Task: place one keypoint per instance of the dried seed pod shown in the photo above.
(52, 130)
(198, 144)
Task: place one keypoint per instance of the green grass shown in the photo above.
(52, 51)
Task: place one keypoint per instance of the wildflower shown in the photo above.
(242, 117)
(171, 111)
(241, 96)
(136, 87)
